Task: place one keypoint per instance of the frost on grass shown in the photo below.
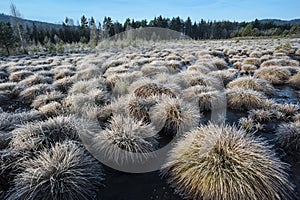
(223, 162)
(65, 171)
(38, 135)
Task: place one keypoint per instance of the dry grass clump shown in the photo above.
(280, 62)
(36, 79)
(174, 115)
(249, 82)
(147, 88)
(252, 61)
(288, 109)
(248, 69)
(119, 83)
(77, 103)
(65, 171)
(223, 162)
(194, 78)
(247, 124)
(11, 89)
(225, 75)
(44, 134)
(294, 81)
(64, 73)
(52, 109)
(260, 115)
(198, 68)
(219, 63)
(150, 70)
(241, 98)
(206, 97)
(90, 72)
(44, 99)
(9, 121)
(139, 107)
(296, 117)
(30, 93)
(124, 136)
(237, 65)
(274, 75)
(64, 84)
(255, 54)
(288, 136)
(20, 75)
(85, 86)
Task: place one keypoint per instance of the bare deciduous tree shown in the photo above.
(16, 23)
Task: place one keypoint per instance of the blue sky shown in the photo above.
(55, 11)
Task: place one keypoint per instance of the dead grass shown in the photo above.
(274, 75)
(249, 82)
(288, 136)
(244, 99)
(65, 171)
(223, 162)
(175, 115)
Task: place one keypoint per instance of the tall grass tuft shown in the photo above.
(223, 162)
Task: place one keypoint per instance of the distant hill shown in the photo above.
(29, 23)
(281, 22)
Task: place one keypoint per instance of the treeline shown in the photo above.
(90, 32)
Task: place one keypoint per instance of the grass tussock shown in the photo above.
(223, 162)
(126, 139)
(288, 136)
(240, 99)
(280, 62)
(274, 75)
(65, 171)
(175, 116)
(257, 84)
(31, 93)
(44, 99)
(44, 134)
(294, 81)
(36, 79)
(20, 75)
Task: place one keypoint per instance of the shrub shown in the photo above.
(288, 136)
(35, 136)
(252, 83)
(65, 171)
(175, 116)
(240, 99)
(223, 162)
(274, 75)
